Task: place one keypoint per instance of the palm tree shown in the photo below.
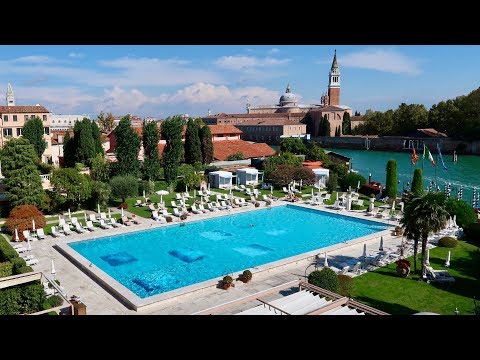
(423, 215)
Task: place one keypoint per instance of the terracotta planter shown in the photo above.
(245, 280)
(226, 286)
(403, 271)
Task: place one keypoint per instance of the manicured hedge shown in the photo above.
(18, 263)
(22, 299)
(448, 242)
(7, 252)
(326, 279)
(6, 269)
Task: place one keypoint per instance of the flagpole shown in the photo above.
(423, 157)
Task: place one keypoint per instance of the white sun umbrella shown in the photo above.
(33, 225)
(123, 214)
(186, 188)
(98, 207)
(364, 252)
(161, 193)
(447, 263)
(16, 235)
(325, 260)
(301, 183)
(312, 193)
(52, 269)
(393, 207)
(85, 215)
(69, 213)
(271, 189)
(194, 194)
(144, 194)
(427, 261)
(455, 220)
(381, 244)
(201, 200)
(337, 196)
(59, 218)
(109, 214)
(29, 248)
(358, 185)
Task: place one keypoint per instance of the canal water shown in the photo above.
(465, 172)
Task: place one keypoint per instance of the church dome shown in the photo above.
(288, 98)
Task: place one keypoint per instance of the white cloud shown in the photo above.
(34, 59)
(274, 51)
(76, 55)
(242, 62)
(387, 60)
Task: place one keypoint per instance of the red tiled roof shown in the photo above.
(357, 118)
(56, 133)
(253, 115)
(269, 122)
(328, 108)
(224, 129)
(313, 164)
(22, 109)
(222, 149)
(432, 132)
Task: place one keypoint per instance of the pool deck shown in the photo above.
(77, 274)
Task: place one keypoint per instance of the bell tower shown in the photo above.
(10, 97)
(334, 82)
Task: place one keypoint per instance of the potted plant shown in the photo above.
(227, 282)
(246, 276)
(403, 267)
(257, 204)
(183, 216)
(398, 230)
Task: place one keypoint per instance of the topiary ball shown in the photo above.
(448, 242)
(326, 279)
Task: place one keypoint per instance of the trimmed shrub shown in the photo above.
(6, 269)
(33, 297)
(448, 242)
(417, 183)
(247, 275)
(346, 285)
(472, 232)
(10, 300)
(356, 207)
(7, 252)
(54, 300)
(24, 270)
(326, 279)
(18, 263)
(21, 217)
(391, 182)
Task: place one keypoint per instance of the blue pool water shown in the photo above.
(155, 261)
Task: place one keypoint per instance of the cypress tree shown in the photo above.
(151, 162)
(33, 132)
(172, 155)
(346, 124)
(97, 140)
(417, 183)
(128, 147)
(391, 182)
(68, 150)
(193, 151)
(207, 144)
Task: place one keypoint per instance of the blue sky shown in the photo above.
(161, 80)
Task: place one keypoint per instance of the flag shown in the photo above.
(430, 157)
(440, 156)
(414, 156)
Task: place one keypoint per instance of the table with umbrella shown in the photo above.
(161, 193)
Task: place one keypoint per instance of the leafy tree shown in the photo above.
(73, 187)
(124, 186)
(100, 168)
(324, 126)
(21, 217)
(97, 140)
(407, 118)
(417, 183)
(33, 132)
(376, 123)
(22, 181)
(106, 123)
(466, 215)
(172, 155)
(127, 149)
(305, 174)
(421, 216)
(357, 113)
(151, 162)
(68, 150)
(193, 150)
(270, 165)
(307, 120)
(101, 193)
(293, 145)
(207, 144)
(340, 169)
(191, 179)
(346, 124)
(391, 181)
(351, 180)
(283, 175)
(83, 140)
(236, 156)
(332, 182)
(316, 153)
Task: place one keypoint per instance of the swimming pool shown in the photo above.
(155, 261)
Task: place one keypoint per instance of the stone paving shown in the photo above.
(101, 302)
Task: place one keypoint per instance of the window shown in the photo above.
(15, 118)
(32, 116)
(44, 117)
(26, 117)
(5, 118)
(7, 132)
(19, 131)
(46, 130)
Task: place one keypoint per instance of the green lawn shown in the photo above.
(385, 290)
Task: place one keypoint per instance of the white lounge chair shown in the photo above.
(174, 205)
(56, 233)
(66, 230)
(32, 262)
(155, 215)
(202, 208)
(104, 225)
(21, 249)
(211, 207)
(40, 234)
(90, 226)
(224, 205)
(26, 234)
(92, 218)
(194, 209)
(61, 222)
(151, 207)
(166, 213)
(79, 228)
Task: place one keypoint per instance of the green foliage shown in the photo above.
(7, 252)
(192, 180)
(10, 300)
(346, 285)
(97, 139)
(69, 149)
(33, 132)
(24, 270)
(101, 193)
(151, 162)
(84, 142)
(316, 153)
(106, 123)
(340, 169)
(173, 153)
(417, 183)
(310, 124)
(236, 156)
(337, 131)
(100, 168)
(33, 296)
(285, 174)
(472, 232)
(247, 275)
(124, 186)
(324, 126)
(346, 124)
(127, 149)
(207, 144)
(227, 279)
(54, 301)
(408, 118)
(18, 263)
(357, 113)
(148, 186)
(285, 158)
(74, 187)
(293, 145)
(6, 269)
(193, 150)
(375, 122)
(351, 180)
(332, 182)
(464, 212)
(44, 168)
(391, 182)
(326, 279)
(22, 179)
(448, 242)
